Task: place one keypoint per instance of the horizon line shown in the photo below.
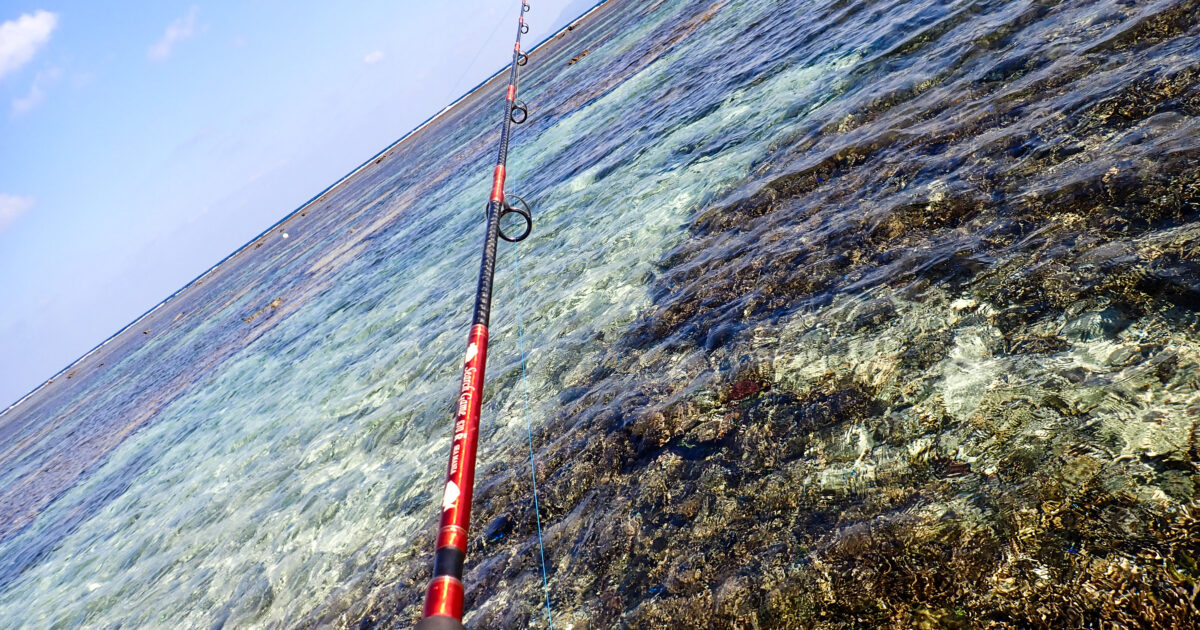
(328, 189)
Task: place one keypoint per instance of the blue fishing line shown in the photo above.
(529, 431)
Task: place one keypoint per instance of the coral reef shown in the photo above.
(944, 373)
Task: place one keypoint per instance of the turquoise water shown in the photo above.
(900, 337)
(291, 466)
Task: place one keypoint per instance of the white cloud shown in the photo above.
(21, 38)
(37, 92)
(11, 207)
(373, 58)
(179, 30)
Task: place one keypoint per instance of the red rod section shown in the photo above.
(444, 598)
(498, 185)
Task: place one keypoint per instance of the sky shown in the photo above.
(140, 143)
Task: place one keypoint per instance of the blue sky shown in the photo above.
(141, 143)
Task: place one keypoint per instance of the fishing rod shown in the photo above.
(445, 594)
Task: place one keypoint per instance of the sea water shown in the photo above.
(266, 448)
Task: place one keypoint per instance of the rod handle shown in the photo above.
(438, 622)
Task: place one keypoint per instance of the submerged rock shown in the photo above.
(940, 370)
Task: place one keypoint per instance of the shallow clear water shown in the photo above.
(888, 302)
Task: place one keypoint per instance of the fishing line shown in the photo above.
(537, 515)
(454, 88)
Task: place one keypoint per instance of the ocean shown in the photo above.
(837, 314)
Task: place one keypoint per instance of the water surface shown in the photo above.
(839, 314)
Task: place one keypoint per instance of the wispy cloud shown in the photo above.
(177, 31)
(24, 104)
(21, 38)
(11, 207)
(373, 58)
(37, 92)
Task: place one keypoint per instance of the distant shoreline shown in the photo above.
(320, 195)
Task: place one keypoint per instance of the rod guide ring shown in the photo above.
(519, 113)
(520, 208)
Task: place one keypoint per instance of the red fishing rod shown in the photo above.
(444, 597)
